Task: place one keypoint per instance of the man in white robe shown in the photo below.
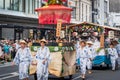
(82, 55)
(91, 52)
(113, 56)
(43, 59)
(23, 58)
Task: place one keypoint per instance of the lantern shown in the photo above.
(95, 33)
(75, 34)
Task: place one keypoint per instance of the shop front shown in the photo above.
(14, 27)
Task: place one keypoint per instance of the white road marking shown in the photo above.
(5, 65)
(8, 74)
(4, 74)
(76, 78)
(13, 74)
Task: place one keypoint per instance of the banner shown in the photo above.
(58, 29)
(62, 34)
(111, 34)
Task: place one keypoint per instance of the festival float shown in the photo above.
(87, 30)
(62, 52)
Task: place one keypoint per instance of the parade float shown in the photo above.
(87, 30)
(62, 52)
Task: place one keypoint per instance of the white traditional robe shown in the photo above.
(1, 52)
(96, 46)
(23, 58)
(118, 51)
(91, 53)
(118, 48)
(42, 69)
(113, 56)
(82, 55)
(77, 45)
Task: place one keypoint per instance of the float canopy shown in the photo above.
(51, 13)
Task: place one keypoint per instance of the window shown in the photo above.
(33, 6)
(74, 12)
(7, 4)
(30, 6)
(26, 6)
(96, 3)
(82, 11)
(1, 4)
(90, 11)
(20, 5)
(86, 13)
(36, 5)
(23, 5)
(105, 6)
(14, 5)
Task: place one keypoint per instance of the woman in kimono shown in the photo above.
(113, 55)
(91, 52)
(23, 59)
(82, 55)
(43, 59)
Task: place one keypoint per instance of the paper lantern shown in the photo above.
(98, 29)
(75, 33)
(95, 33)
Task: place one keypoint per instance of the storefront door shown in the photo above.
(18, 34)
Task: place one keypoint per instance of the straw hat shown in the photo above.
(22, 41)
(89, 42)
(43, 40)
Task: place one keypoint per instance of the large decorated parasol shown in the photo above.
(54, 11)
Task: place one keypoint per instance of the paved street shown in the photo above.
(8, 72)
(62, 32)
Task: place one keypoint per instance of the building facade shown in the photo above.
(115, 13)
(115, 19)
(100, 9)
(19, 20)
(18, 17)
(82, 10)
(114, 6)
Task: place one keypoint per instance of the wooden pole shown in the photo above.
(69, 36)
(102, 39)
